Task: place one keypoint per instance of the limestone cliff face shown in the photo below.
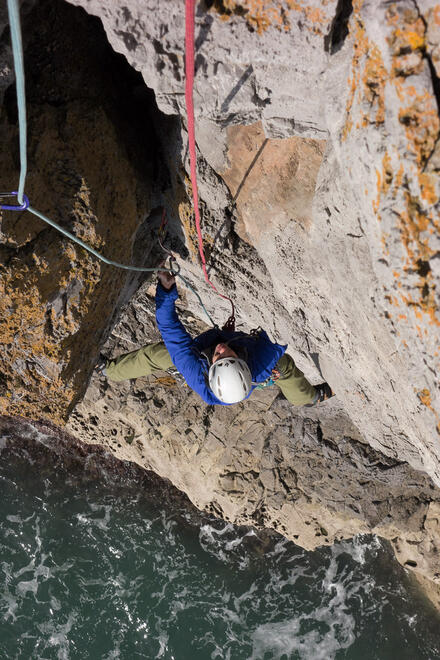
(317, 128)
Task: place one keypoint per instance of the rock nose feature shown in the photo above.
(317, 129)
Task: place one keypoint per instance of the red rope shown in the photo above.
(189, 86)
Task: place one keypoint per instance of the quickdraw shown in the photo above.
(14, 207)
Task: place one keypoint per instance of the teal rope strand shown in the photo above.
(98, 255)
(17, 48)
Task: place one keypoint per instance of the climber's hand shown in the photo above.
(165, 278)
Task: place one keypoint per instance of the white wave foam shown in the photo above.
(89, 520)
(359, 547)
(57, 634)
(24, 587)
(226, 542)
(327, 629)
(18, 519)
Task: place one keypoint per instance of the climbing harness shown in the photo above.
(189, 88)
(23, 201)
(271, 380)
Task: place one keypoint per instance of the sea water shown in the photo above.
(101, 563)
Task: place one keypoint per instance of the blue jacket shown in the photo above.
(186, 352)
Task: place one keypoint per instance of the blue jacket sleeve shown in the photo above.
(180, 344)
(176, 338)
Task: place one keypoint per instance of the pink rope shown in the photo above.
(189, 87)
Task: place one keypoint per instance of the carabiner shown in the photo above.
(14, 207)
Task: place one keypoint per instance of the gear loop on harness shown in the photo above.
(15, 207)
(271, 380)
(230, 324)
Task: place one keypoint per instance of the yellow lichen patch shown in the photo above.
(427, 184)
(414, 223)
(259, 14)
(398, 179)
(186, 216)
(383, 240)
(409, 30)
(392, 300)
(425, 398)
(376, 202)
(374, 79)
(415, 39)
(419, 113)
(360, 49)
(262, 14)
(422, 126)
(387, 173)
(314, 14)
(384, 180)
(28, 354)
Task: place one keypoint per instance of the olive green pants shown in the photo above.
(143, 362)
(155, 357)
(293, 384)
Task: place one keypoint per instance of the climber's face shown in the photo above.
(223, 351)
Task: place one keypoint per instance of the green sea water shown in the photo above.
(105, 564)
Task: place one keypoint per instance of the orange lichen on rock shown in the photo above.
(360, 50)
(384, 180)
(387, 171)
(28, 353)
(426, 399)
(408, 28)
(262, 14)
(398, 179)
(419, 112)
(427, 184)
(414, 223)
(422, 125)
(186, 215)
(374, 79)
(259, 14)
(418, 115)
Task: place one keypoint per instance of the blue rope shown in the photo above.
(17, 47)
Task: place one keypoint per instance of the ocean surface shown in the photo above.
(100, 561)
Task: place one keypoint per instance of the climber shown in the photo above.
(222, 366)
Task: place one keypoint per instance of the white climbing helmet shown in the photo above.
(230, 379)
